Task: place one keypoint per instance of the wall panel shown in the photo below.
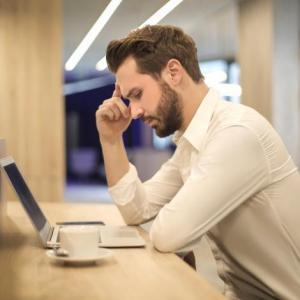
(269, 59)
(31, 102)
(255, 54)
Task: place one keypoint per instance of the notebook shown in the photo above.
(109, 236)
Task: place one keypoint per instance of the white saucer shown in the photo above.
(102, 254)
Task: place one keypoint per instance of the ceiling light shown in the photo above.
(154, 19)
(161, 13)
(91, 35)
(101, 64)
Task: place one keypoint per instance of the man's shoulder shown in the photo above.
(235, 114)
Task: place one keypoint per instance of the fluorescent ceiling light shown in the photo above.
(161, 13)
(91, 35)
(101, 64)
(154, 19)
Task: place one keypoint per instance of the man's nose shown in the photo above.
(136, 111)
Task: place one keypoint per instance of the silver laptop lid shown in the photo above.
(30, 205)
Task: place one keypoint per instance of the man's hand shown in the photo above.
(112, 118)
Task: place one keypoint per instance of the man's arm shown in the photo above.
(136, 201)
(115, 161)
(139, 202)
(112, 119)
(231, 169)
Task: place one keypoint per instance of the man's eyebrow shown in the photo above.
(131, 91)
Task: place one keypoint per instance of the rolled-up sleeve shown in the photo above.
(231, 169)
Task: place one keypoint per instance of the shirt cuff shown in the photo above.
(121, 190)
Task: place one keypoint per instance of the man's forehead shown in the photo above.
(127, 76)
(126, 86)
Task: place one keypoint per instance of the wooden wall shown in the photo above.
(31, 102)
(269, 60)
(255, 54)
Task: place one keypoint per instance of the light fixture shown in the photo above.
(161, 13)
(154, 19)
(91, 35)
(101, 64)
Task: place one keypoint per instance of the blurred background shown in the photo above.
(53, 77)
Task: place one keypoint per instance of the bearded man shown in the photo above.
(230, 178)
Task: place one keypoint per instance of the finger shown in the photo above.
(123, 108)
(105, 101)
(105, 113)
(117, 91)
(113, 109)
(119, 104)
(116, 111)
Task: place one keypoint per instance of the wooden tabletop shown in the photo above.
(27, 273)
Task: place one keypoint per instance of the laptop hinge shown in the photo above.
(50, 234)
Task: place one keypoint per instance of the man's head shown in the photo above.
(152, 47)
(150, 64)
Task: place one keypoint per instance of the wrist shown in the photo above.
(110, 141)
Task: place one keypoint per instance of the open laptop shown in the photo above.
(109, 236)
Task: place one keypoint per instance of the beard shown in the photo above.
(169, 112)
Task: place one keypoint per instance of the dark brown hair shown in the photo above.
(152, 47)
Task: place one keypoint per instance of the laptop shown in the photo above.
(109, 236)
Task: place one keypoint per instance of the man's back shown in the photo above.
(257, 246)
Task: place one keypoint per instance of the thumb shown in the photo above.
(117, 91)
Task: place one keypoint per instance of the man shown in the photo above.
(230, 177)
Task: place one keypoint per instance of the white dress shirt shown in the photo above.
(232, 179)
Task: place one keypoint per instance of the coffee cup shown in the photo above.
(79, 241)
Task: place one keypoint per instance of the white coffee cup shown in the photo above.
(80, 241)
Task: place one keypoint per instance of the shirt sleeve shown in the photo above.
(139, 202)
(231, 169)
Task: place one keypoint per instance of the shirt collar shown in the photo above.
(200, 122)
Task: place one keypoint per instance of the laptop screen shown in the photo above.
(27, 199)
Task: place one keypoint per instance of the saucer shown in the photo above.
(102, 254)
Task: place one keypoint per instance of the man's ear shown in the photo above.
(173, 72)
